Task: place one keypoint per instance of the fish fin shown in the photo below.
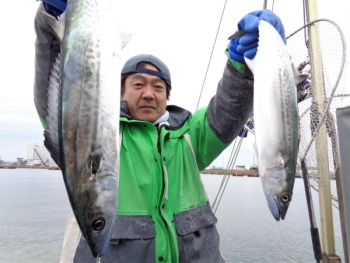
(58, 26)
(51, 141)
(299, 77)
(95, 160)
(238, 34)
(125, 38)
(286, 155)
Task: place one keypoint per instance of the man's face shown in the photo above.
(146, 95)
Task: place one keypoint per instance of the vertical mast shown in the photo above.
(318, 106)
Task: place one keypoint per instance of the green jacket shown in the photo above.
(160, 183)
(159, 176)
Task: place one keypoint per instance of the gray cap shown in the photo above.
(130, 66)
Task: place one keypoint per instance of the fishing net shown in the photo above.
(331, 56)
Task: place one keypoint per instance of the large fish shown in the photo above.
(275, 118)
(83, 115)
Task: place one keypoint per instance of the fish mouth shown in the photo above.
(101, 235)
(277, 209)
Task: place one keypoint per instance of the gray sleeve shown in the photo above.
(232, 105)
(46, 49)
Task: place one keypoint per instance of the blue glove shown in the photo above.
(246, 45)
(55, 7)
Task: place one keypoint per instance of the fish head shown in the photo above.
(278, 190)
(100, 213)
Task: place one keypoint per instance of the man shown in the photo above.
(163, 212)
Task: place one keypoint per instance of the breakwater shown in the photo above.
(28, 167)
(233, 172)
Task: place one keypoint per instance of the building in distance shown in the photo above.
(39, 155)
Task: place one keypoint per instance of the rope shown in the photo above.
(265, 4)
(215, 206)
(211, 55)
(227, 176)
(305, 11)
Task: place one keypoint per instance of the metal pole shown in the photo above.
(315, 237)
(326, 216)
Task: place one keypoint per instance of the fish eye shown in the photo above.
(98, 224)
(285, 198)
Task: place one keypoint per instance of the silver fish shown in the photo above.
(275, 119)
(83, 114)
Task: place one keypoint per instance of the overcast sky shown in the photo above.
(181, 33)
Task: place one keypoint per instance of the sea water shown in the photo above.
(34, 209)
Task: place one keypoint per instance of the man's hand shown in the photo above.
(247, 43)
(55, 7)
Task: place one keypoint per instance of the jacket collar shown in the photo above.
(177, 115)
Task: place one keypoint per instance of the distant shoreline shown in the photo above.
(28, 167)
(233, 172)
